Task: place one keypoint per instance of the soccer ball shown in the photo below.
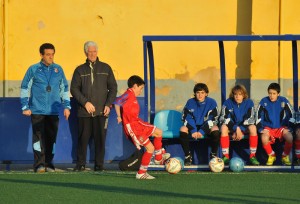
(173, 165)
(236, 164)
(216, 164)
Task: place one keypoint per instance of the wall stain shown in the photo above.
(101, 19)
(164, 91)
(41, 25)
(210, 76)
(184, 76)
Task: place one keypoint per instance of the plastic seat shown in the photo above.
(169, 121)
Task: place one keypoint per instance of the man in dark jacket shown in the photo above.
(94, 87)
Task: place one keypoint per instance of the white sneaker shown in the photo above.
(49, 169)
(144, 176)
(165, 157)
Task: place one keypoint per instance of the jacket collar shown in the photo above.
(88, 62)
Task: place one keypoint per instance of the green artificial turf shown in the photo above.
(119, 187)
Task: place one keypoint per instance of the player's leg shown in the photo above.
(160, 157)
(184, 141)
(288, 137)
(225, 143)
(214, 140)
(297, 146)
(266, 143)
(253, 141)
(142, 173)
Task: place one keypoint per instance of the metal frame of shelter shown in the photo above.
(148, 57)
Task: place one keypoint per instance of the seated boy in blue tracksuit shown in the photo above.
(200, 116)
(237, 118)
(273, 115)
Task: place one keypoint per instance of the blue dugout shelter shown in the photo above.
(149, 66)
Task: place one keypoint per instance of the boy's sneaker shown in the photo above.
(144, 176)
(226, 160)
(286, 160)
(253, 161)
(188, 160)
(165, 157)
(271, 160)
(212, 155)
(40, 169)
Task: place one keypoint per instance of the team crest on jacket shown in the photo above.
(55, 70)
(141, 139)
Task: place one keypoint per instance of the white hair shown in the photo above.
(88, 44)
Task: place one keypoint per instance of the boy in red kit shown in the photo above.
(138, 131)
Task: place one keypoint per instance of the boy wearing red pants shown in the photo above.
(138, 131)
(273, 120)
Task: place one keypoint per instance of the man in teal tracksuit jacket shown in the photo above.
(43, 90)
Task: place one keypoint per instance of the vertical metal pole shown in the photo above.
(295, 74)
(152, 81)
(146, 81)
(222, 71)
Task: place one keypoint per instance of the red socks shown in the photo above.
(145, 162)
(253, 140)
(225, 145)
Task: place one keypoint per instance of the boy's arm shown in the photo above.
(249, 117)
(189, 119)
(118, 111)
(259, 118)
(225, 118)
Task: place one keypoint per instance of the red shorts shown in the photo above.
(275, 133)
(139, 132)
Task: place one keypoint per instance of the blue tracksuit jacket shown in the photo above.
(34, 95)
(200, 116)
(237, 115)
(273, 114)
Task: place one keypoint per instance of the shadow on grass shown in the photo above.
(126, 190)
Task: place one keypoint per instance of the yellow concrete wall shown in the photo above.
(1, 41)
(265, 54)
(118, 27)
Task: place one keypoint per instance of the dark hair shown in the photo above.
(274, 86)
(240, 88)
(201, 87)
(46, 46)
(134, 79)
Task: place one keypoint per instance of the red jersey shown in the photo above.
(138, 130)
(130, 107)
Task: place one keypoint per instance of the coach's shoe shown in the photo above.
(79, 168)
(271, 160)
(165, 157)
(253, 161)
(144, 176)
(286, 160)
(188, 160)
(98, 168)
(50, 168)
(40, 169)
(296, 162)
(225, 160)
